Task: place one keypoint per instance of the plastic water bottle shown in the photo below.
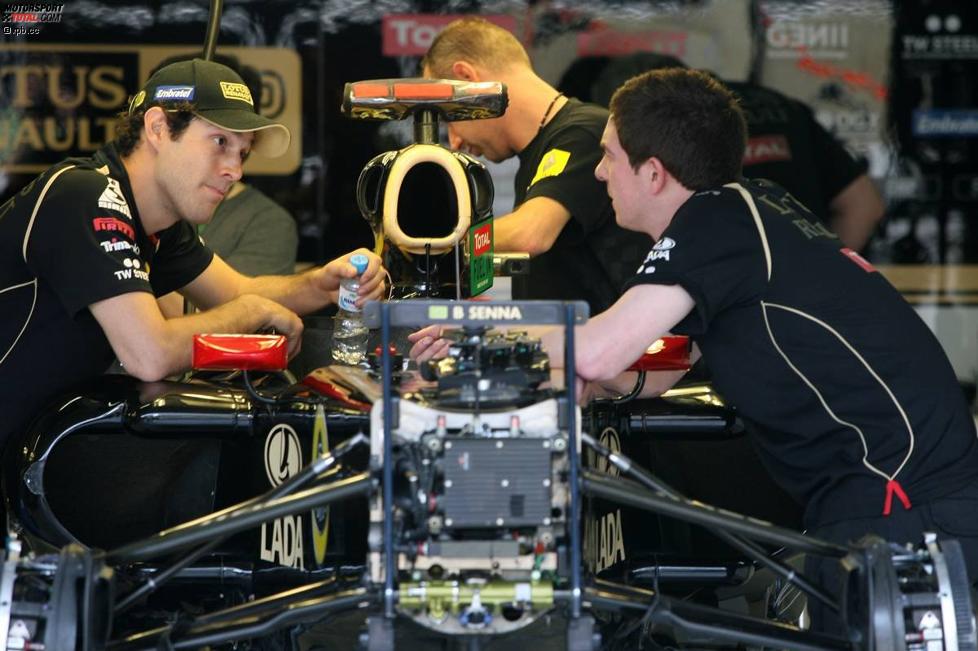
(349, 333)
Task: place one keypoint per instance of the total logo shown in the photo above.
(412, 34)
(482, 240)
(281, 540)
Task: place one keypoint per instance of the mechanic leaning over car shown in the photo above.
(88, 244)
(856, 409)
(562, 216)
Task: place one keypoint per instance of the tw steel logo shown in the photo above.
(412, 34)
(113, 224)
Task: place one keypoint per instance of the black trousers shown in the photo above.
(954, 516)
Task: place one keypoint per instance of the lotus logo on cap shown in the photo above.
(236, 91)
(174, 93)
(137, 100)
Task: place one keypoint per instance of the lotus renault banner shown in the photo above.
(59, 100)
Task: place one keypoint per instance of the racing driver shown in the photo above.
(86, 247)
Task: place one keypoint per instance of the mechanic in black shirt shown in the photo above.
(855, 407)
(86, 246)
(785, 144)
(562, 216)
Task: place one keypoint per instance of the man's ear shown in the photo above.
(155, 126)
(655, 172)
(465, 71)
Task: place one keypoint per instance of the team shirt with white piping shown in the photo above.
(853, 402)
(69, 239)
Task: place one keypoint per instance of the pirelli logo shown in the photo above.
(236, 91)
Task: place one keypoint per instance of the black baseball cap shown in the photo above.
(218, 96)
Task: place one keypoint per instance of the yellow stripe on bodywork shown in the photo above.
(320, 446)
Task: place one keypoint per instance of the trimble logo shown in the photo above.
(174, 93)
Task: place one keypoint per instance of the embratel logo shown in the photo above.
(947, 123)
(174, 93)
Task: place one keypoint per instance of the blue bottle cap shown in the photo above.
(360, 262)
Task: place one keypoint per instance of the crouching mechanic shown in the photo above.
(855, 409)
(87, 245)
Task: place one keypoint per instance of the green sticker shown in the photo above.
(438, 312)
(480, 259)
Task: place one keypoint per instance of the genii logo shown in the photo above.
(790, 39)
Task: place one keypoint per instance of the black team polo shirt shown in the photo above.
(854, 404)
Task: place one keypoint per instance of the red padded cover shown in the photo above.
(670, 353)
(323, 382)
(240, 352)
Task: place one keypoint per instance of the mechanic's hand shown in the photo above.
(280, 319)
(372, 285)
(428, 344)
